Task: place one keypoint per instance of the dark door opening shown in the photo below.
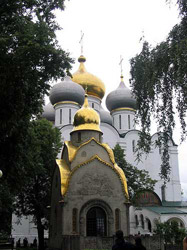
(96, 222)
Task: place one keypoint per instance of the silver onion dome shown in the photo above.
(67, 90)
(120, 98)
(49, 112)
(105, 116)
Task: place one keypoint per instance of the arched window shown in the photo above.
(136, 220)
(133, 146)
(149, 226)
(96, 222)
(178, 221)
(69, 116)
(117, 219)
(142, 220)
(60, 116)
(74, 220)
(100, 138)
(119, 121)
(129, 122)
(163, 193)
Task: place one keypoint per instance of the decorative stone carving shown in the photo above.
(107, 242)
(96, 184)
(155, 242)
(90, 242)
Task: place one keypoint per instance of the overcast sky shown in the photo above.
(113, 28)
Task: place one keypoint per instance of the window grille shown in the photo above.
(96, 222)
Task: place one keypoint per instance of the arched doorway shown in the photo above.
(96, 222)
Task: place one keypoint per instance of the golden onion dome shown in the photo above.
(88, 81)
(86, 118)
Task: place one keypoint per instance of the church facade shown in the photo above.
(89, 190)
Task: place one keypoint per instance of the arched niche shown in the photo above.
(96, 204)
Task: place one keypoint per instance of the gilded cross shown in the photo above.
(81, 42)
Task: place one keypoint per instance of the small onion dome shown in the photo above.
(86, 118)
(105, 116)
(92, 84)
(120, 98)
(49, 112)
(67, 90)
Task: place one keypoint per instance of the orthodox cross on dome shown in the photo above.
(81, 42)
(120, 63)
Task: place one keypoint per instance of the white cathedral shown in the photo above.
(117, 127)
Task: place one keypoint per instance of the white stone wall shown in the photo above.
(123, 120)
(24, 227)
(94, 102)
(62, 113)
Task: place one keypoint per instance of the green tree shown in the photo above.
(159, 84)
(43, 145)
(137, 180)
(170, 232)
(6, 209)
(30, 58)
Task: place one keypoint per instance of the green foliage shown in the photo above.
(43, 145)
(6, 209)
(30, 58)
(170, 232)
(136, 179)
(159, 84)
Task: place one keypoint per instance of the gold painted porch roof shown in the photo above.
(64, 174)
(72, 151)
(88, 81)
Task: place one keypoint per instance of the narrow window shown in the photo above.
(92, 105)
(60, 116)
(117, 219)
(136, 220)
(69, 116)
(129, 122)
(163, 193)
(74, 220)
(79, 136)
(149, 226)
(100, 138)
(119, 121)
(133, 146)
(142, 220)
